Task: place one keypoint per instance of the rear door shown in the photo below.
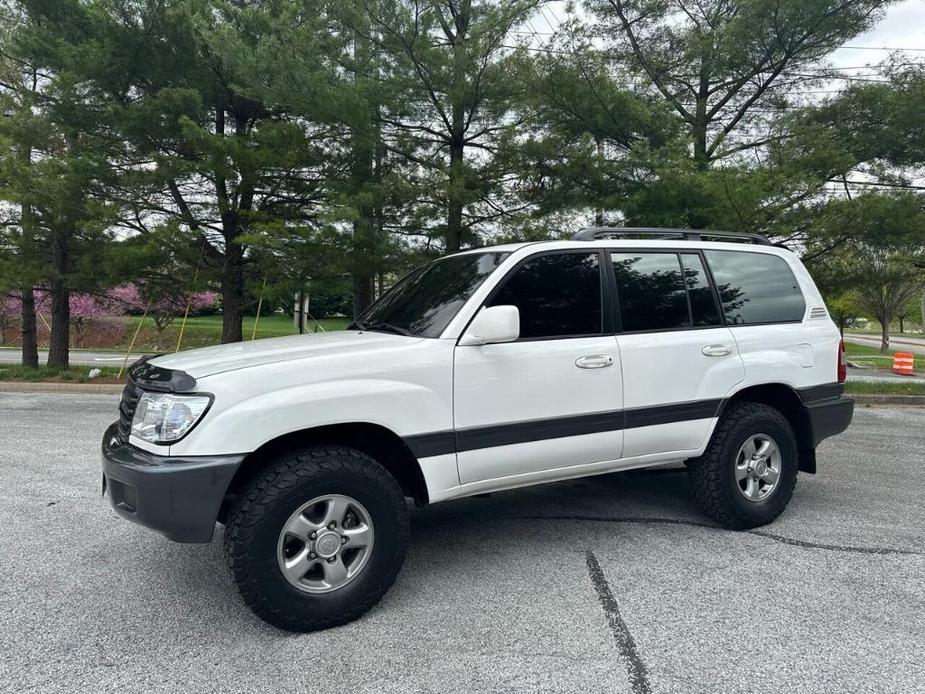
(763, 304)
(553, 398)
(679, 359)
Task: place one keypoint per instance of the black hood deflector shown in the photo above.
(151, 377)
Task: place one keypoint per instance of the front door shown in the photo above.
(553, 398)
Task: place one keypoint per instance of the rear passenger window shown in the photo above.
(755, 287)
(651, 291)
(558, 295)
(703, 304)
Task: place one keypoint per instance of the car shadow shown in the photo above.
(655, 493)
(444, 537)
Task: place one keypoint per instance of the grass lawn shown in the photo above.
(75, 374)
(884, 388)
(202, 331)
(865, 355)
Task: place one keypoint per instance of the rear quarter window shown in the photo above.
(755, 288)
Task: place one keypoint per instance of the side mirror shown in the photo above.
(493, 324)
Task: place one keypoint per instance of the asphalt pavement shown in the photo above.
(607, 584)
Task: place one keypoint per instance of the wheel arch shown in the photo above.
(788, 402)
(377, 441)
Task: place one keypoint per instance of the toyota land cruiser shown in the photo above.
(486, 370)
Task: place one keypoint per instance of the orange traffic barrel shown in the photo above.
(903, 363)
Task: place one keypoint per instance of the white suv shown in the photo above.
(486, 370)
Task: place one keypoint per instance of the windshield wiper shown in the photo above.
(357, 325)
(387, 328)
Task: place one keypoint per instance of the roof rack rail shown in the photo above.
(595, 233)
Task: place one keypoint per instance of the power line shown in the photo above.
(880, 48)
(901, 186)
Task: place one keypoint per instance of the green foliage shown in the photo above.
(328, 146)
(844, 310)
(873, 251)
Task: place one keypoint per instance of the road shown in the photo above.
(77, 357)
(607, 584)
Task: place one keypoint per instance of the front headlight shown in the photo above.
(164, 417)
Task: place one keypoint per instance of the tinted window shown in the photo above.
(703, 305)
(424, 302)
(755, 287)
(651, 290)
(557, 294)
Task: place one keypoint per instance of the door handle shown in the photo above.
(594, 361)
(716, 350)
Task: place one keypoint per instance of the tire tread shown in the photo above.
(708, 473)
(267, 488)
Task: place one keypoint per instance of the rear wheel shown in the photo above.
(746, 476)
(317, 538)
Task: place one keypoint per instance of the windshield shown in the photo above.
(425, 301)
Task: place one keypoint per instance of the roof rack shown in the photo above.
(595, 233)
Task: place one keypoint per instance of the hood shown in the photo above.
(208, 361)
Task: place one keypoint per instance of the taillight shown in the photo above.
(842, 362)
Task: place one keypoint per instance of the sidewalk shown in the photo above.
(883, 375)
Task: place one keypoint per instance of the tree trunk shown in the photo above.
(364, 141)
(232, 290)
(902, 325)
(884, 335)
(922, 309)
(30, 342)
(299, 314)
(364, 251)
(456, 187)
(599, 212)
(699, 135)
(454, 225)
(362, 288)
(59, 341)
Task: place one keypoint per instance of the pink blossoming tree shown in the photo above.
(10, 309)
(164, 304)
(85, 309)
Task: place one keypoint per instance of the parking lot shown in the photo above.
(607, 584)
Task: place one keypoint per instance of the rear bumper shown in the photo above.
(176, 496)
(829, 417)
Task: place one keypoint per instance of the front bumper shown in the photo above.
(829, 417)
(176, 496)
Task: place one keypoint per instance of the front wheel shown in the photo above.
(746, 476)
(317, 538)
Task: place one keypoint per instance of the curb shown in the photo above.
(39, 387)
(906, 400)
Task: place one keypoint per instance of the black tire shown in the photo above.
(273, 495)
(713, 478)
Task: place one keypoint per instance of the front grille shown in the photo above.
(131, 394)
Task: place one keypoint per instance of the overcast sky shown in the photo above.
(903, 27)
